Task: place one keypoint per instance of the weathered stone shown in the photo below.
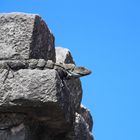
(79, 130)
(63, 55)
(24, 36)
(12, 127)
(20, 132)
(87, 116)
(40, 93)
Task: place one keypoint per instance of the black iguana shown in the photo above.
(66, 71)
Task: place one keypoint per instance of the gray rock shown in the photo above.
(24, 36)
(12, 127)
(40, 93)
(79, 130)
(87, 116)
(63, 55)
(10, 119)
(36, 101)
(13, 134)
(75, 88)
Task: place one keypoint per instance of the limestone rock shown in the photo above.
(24, 36)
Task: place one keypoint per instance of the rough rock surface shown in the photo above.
(37, 103)
(24, 36)
(80, 129)
(63, 55)
(87, 116)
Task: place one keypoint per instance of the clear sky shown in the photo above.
(103, 35)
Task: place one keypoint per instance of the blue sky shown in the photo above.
(105, 37)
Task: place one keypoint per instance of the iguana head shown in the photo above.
(77, 72)
(82, 71)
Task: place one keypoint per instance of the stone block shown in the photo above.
(38, 93)
(24, 36)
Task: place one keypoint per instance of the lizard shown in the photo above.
(66, 71)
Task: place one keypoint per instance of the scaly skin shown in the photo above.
(66, 71)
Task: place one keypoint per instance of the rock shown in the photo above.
(10, 119)
(20, 132)
(12, 127)
(87, 116)
(24, 36)
(39, 93)
(79, 130)
(63, 55)
(36, 102)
